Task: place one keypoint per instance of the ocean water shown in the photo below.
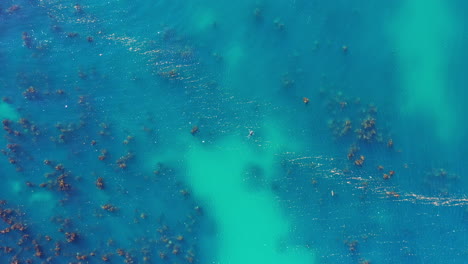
(233, 132)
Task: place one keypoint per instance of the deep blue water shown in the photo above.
(136, 93)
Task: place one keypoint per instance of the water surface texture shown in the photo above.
(233, 132)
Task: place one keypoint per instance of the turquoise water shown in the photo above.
(233, 132)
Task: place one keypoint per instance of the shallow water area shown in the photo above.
(241, 132)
